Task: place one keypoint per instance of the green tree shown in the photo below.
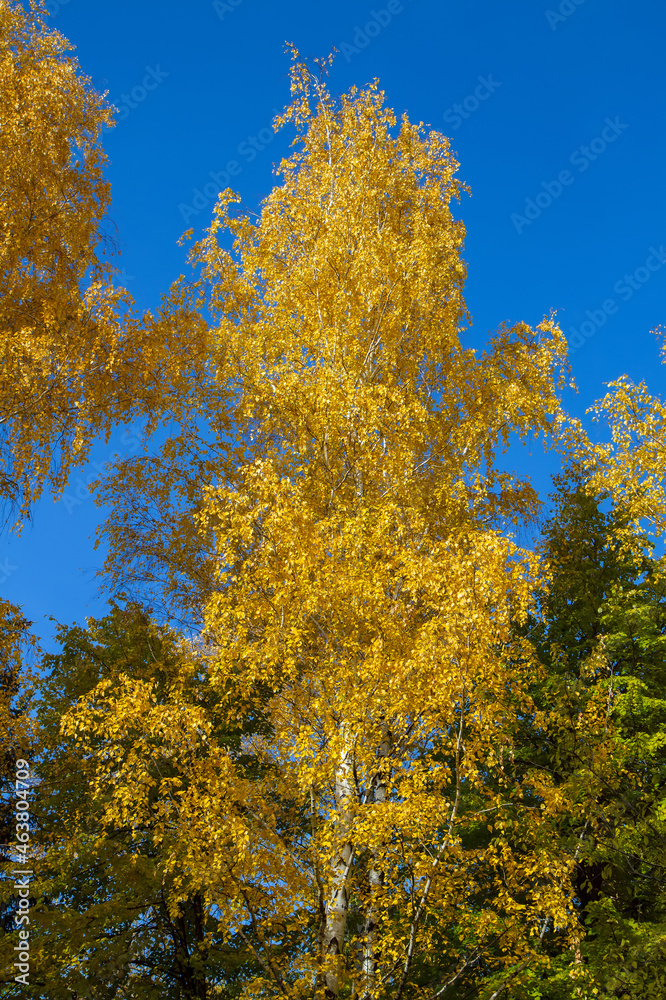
(17, 741)
(114, 916)
(600, 633)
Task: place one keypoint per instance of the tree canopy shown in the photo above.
(368, 745)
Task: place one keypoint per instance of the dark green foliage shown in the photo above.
(602, 733)
(103, 926)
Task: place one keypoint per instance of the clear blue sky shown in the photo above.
(559, 127)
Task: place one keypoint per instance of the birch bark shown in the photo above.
(337, 907)
(371, 954)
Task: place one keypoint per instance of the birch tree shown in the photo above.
(75, 359)
(359, 583)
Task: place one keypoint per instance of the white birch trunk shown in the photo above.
(375, 876)
(337, 907)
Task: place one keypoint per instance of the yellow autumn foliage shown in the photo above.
(74, 360)
(345, 530)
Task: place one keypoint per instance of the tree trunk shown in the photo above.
(337, 908)
(375, 875)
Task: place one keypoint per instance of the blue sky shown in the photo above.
(556, 111)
